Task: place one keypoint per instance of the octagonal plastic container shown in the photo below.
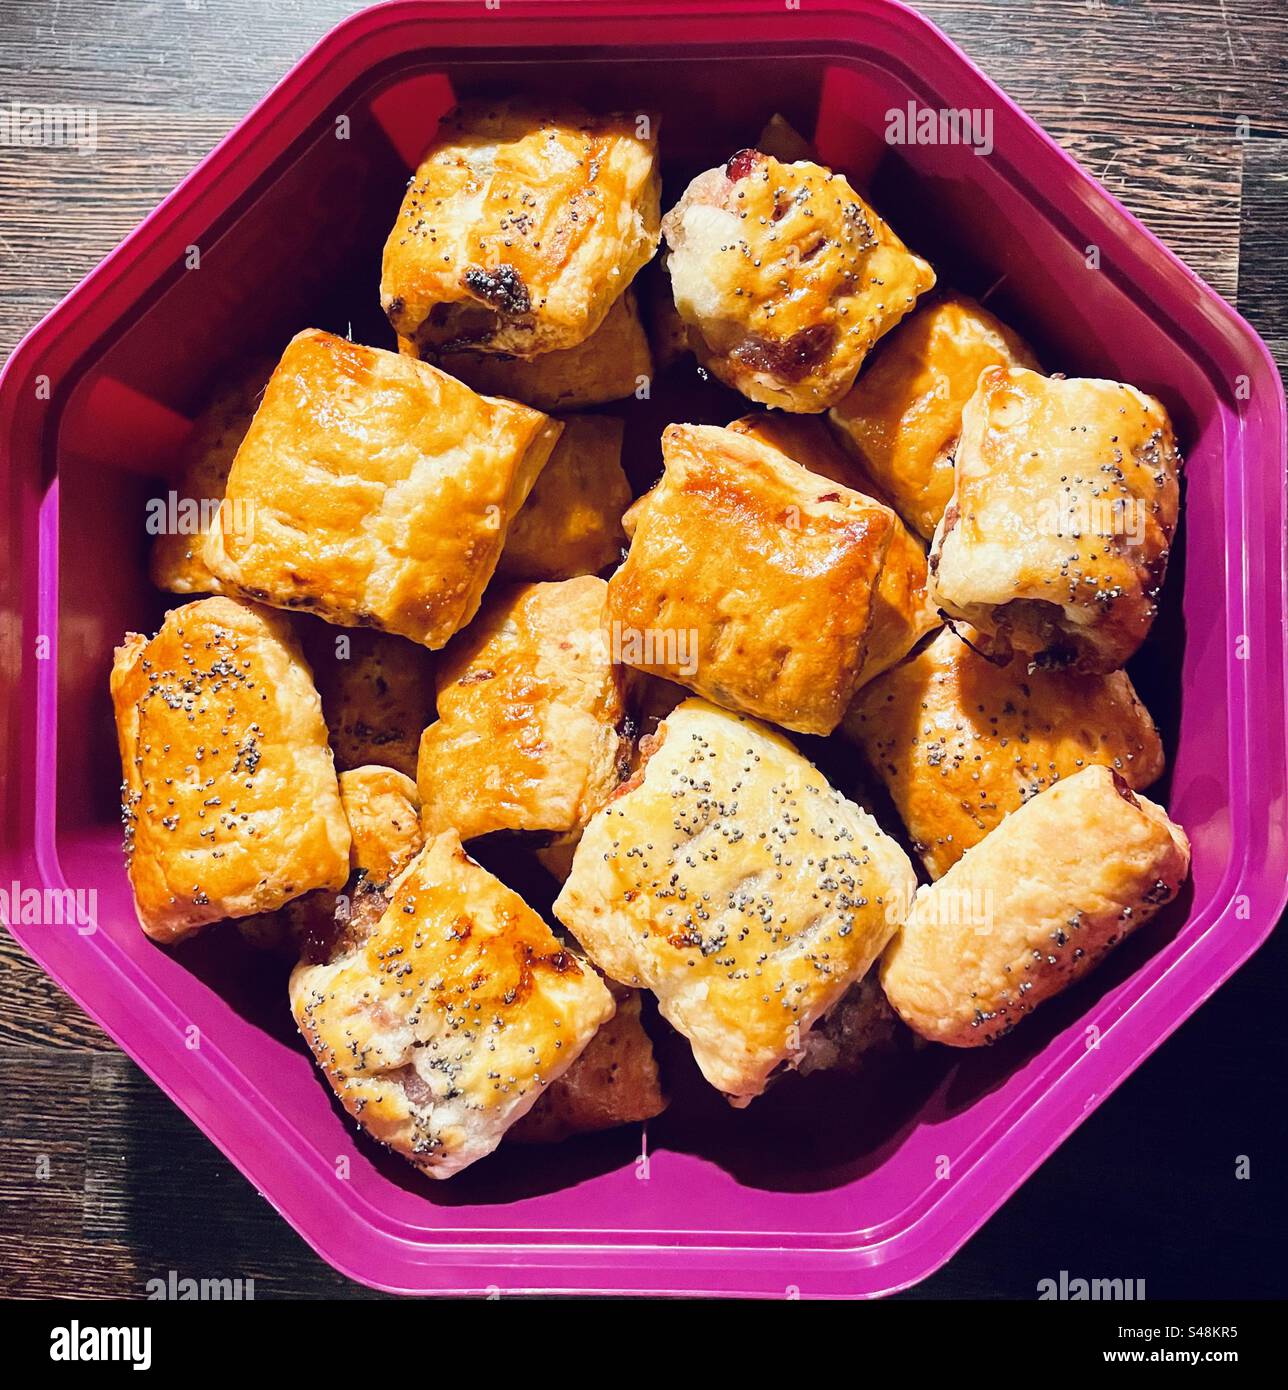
(855, 1190)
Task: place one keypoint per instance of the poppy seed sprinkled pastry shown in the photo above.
(1032, 908)
(960, 742)
(614, 1082)
(444, 1023)
(730, 879)
(750, 579)
(609, 366)
(521, 228)
(786, 278)
(571, 523)
(376, 491)
(902, 417)
(901, 612)
(230, 799)
(530, 715)
(1056, 540)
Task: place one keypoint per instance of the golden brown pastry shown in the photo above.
(444, 1024)
(901, 612)
(904, 414)
(377, 694)
(729, 878)
(1032, 908)
(614, 1082)
(786, 278)
(530, 710)
(521, 228)
(571, 523)
(178, 558)
(609, 366)
(749, 579)
(961, 742)
(380, 490)
(383, 811)
(229, 799)
(1056, 540)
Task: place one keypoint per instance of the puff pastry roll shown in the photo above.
(1056, 540)
(730, 879)
(530, 709)
(1033, 908)
(382, 808)
(521, 228)
(614, 1082)
(571, 523)
(379, 490)
(904, 414)
(902, 612)
(786, 278)
(749, 579)
(609, 366)
(961, 742)
(229, 799)
(443, 1024)
(377, 693)
(178, 557)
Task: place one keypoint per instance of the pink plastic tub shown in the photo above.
(849, 1191)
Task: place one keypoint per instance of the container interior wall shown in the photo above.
(303, 250)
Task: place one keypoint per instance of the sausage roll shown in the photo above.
(178, 557)
(1032, 908)
(904, 414)
(529, 714)
(378, 490)
(609, 366)
(614, 1082)
(377, 694)
(1055, 542)
(571, 523)
(860, 1029)
(445, 1024)
(383, 811)
(521, 228)
(749, 579)
(730, 879)
(229, 799)
(902, 613)
(961, 742)
(785, 278)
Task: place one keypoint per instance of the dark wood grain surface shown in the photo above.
(1181, 108)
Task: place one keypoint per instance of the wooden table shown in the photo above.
(1180, 108)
